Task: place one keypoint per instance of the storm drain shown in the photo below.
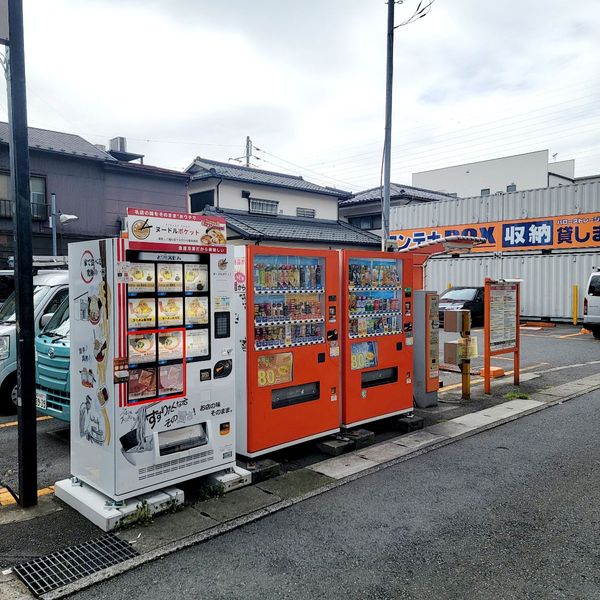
(47, 573)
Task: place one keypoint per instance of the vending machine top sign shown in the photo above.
(175, 232)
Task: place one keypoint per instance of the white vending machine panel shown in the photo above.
(152, 366)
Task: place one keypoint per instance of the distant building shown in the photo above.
(94, 184)
(266, 207)
(363, 210)
(531, 170)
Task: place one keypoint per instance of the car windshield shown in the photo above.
(9, 308)
(58, 325)
(459, 294)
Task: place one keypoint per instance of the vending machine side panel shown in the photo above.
(92, 341)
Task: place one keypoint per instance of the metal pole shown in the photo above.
(575, 304)
(19, 161)
(387, 145)
(53, 220)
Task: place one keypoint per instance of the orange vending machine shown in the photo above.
(377, 314)
(287, 321)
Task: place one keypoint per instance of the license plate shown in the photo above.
(40, 399)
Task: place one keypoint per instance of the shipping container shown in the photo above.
(548, 279)
(544, 202)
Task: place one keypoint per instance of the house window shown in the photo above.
(306, 212)
(264, 207)
(37, 188)
(511, 188)
(200, 200)
(366, 222)
(485, 192)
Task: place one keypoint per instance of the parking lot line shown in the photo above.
(15, 423)
(7, 499)
(570, 335)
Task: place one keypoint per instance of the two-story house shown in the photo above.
(89, 182)
(266, 207)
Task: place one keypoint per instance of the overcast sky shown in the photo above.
(306, 80)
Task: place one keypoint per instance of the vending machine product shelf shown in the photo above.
(377, 336)
(287, 346)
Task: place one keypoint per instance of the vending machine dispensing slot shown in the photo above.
(184, 438)
(379, 377)
(287, 307)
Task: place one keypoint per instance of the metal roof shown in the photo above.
(294, 229)
(203, 168)
(398, 192)
(59, 143)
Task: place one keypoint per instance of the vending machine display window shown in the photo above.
(289, 301)
(375, 297)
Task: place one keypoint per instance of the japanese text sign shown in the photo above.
(274, 369)
(175, 232)
(562, 232)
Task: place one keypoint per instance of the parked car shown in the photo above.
(463, 297)
(591, 305)
(52, 366)
(7, 284)
(49, 290)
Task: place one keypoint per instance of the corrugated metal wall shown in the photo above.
(547, 288)
(545, 202)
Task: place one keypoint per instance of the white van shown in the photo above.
(49, 290)
(591, 305)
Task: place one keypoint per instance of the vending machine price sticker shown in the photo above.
(196, 278)
(274, 369)
(170, 277)
(170, 312)
(363, 356)
(142, 348)
(196, 311)
(196, 343)
(222, 303)
(140, 277)
(141, 313)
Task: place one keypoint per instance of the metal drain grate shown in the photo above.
(58, 569)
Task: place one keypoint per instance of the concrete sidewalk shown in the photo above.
(202, 520)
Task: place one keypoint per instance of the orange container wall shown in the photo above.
(363, 404)
(269, 427)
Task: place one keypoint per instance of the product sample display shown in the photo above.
(288, 346)
(377, 336)
(154, 331)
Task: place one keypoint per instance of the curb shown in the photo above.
(192, 540)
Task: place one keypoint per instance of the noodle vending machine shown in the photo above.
(377, 364)
(152, 370)
(288, 347)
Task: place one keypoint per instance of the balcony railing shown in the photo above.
(39, 211)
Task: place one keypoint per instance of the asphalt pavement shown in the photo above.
(513, 512)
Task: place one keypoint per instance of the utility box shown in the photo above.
(457, 321)
(426, 348)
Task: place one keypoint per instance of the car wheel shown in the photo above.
(8, 395)
(596, 332)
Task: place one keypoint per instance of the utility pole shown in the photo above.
(248, 150)
(387, 145)
(19, 175)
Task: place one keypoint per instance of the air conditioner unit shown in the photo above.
(118, 144)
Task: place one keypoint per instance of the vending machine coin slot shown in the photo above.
(321, 357)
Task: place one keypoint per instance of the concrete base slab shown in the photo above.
(100, 510)
(418, 439)
(408, 424)
(232, 479)
(15, 514)
(261, 468)
(385, 452)
(528, 377)
(294, 483)
(449, 429)
(334, 446)
(12, 588)
(237, 503)
(360, 438)
(166, 529)
(342, 466)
